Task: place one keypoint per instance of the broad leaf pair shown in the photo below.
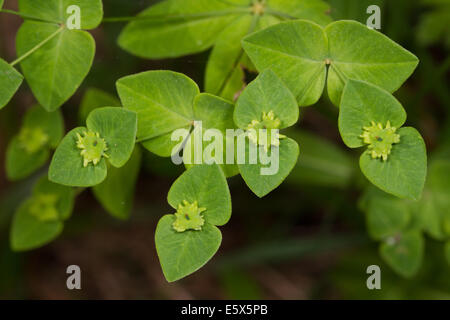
(63, 57)
(305, 56)
(80, 159)
(201, 193)
(395, 160)
(267, 97)
(30, 149)
(40, 219)
(390, 220)
(175, 28)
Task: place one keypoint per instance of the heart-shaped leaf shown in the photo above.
(296, 51)
(116, 193)
(277, 170)
(299, 51)
(357, 52)
(10, 81)
(363, 103)
(29, 232)
(91, 11)
(163, 101)
(68, 56)
(404, 252)
(118, 127)
(207, 185)
(182, 253)
(403, 173)
(67, 166)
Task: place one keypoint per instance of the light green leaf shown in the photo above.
(116, 193)
(357, 52)
(182, 253)
(207, 185)
(266, 93)
(261, 184)
(322, 163)
(386, 215)
(178, 27)
(296, 52)
(163, 101)
(91, 11)
(95, 98)
(363, 103)
(404, 252)
(20, 164)
(403, 173)
(67, 167)
(28, 232)
(10, 81)
(56, 70)
(118, 127)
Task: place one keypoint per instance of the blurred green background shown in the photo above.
(306, 240)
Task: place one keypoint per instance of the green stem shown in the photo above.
(39, 45)
(179, 16)
(29, 17)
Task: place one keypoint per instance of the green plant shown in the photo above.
(361, 68)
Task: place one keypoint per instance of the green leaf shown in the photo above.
(163, 101)
(95, 98)
(116, 193)
(178, 28)
(404, 252)
(91, 11)
(322, 163)
(403, 173)
(118, 127)
(182, 253)
(214, 113)
(386, 215)
(10, 81)
(19, 164)
(56, 70)
(296, 52)
(266, 93)
(357, 52)
(1, 4)
(363, 103)
(67, 167)
(65, 195)
(261, 184)
(207, 185)
(28, 232)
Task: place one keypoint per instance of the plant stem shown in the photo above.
(39, 45)
(180, 16)
(26, 16)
